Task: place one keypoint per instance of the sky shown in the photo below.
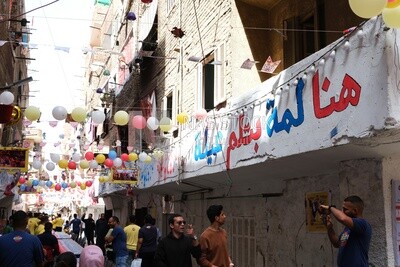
(60, 31)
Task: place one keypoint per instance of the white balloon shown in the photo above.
(76, 157)
(50, 166)
(54, 157)
(59, 113)
(93, 164)
(142, 156)
(98, 116)
(152, 123)
(117, 162)
(6, 98)
(36, 164)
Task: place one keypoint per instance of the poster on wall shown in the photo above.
(314, 223)
(396, 220)
(14, 159)
(125, 176)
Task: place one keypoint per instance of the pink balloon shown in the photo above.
(88, 183)
(139, 122)
(109, 163)
(89, 155)
(125, 157)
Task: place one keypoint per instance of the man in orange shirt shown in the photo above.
(214, 240)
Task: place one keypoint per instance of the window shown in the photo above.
(210, 80)
(300, 44)
(170, 105)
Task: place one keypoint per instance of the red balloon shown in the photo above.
(57, 187)
(21, 180)
(72, 165)
(88, 183)
(109, 163)
(89, 155)
(125, 157)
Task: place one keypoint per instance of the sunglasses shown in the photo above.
(181, 222)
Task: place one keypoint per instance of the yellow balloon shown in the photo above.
(182, 118)
(83, 186)
(121, 118)
(100, 158)
(63, 163)
(78, 114)
(29, 182)
(165, 124)
(101, 179)
(84, 164)
(393, 4)
(133, 156)
(391, 17)
(72, 184)
(32, 113)
(367, 8)
(148, 159)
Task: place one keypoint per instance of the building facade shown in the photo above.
(321, 126)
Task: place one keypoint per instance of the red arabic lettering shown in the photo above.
(350, 94)
(245, 137)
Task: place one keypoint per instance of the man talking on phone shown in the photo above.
(176, 249)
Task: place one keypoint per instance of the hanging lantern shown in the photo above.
(131, 16)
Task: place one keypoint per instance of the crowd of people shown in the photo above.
(27, 245)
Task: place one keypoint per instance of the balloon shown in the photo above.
(112, 154)
(100, 158)
(367, 8)
(29, 182)
(117, 162)
(72, 184)
(89, 155)
(35, 182)
(165, 124)
(124, 157)
(182, 118)
(102, 179)
(142, 156)
(22, 187)
(50, 166)
(49, 183)
(72, 165)
(63, 164)
(139, 122)
(64, 185)
(152, 123)
(121, 118)
(32, 113)
(391, 16)
(108, 162)
(88, 183)
(54, 157)
(201, 114)
(84, 164)
(133, 156)
(6, 98)
(36, 164)
(59, 113)
(78, 114)
(98, 117)
(57, 187)
(21, 180)
(76, 157)
(93, 164)
(83, 186)
(147, 159)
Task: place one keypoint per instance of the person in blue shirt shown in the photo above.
(19, 248)
(76, 227)
(118, 240)
(353, 242)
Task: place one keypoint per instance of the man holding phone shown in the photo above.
(176, 249)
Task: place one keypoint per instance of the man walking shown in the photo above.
(76, 227)
(90, 227)
(50, 244)
(132, 234)
(118, 239)
(353, 242)
(176, 249)
(101, 231)
(20, 248)
(214, 240)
